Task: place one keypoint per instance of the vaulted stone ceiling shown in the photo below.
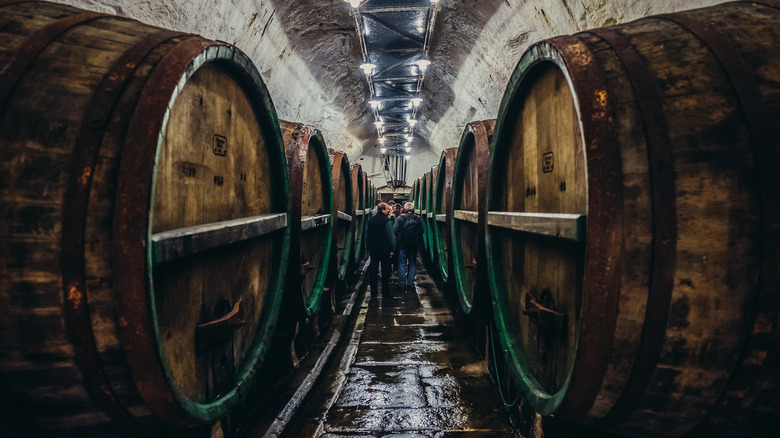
(308, 54)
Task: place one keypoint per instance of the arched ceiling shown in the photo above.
(308, 53)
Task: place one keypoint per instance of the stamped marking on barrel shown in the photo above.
(219, 145)
(547, 162)
(219, 180)
(189, 171)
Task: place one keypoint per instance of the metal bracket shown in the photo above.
(546, 318)
(219, 329)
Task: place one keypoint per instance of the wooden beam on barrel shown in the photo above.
(467, 215)
(563, 226)
(183, 242)
(344, 217)
(311, 222)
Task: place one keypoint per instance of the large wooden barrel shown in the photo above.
(311, 224)
(469, 215)
(424, 187)
(430, 220)
(144, 207)
(441, 212)
(659, 314)
(414, 195)
(358, 205)
(368, 203)
(343, 213)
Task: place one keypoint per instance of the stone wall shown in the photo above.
(307, 52)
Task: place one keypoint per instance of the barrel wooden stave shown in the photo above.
(714, 172)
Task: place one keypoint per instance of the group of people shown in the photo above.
(393, 239)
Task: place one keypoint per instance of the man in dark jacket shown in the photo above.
(408, 232)
(381, 244)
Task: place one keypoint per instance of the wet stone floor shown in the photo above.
(406, 373)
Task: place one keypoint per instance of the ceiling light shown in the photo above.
(406, 157)
(408, 149)
(356, 3)
(409, 137)
(434, 1)
(378, 124)
(416, 101)
(368, 68)
(383, 150)
(422, 64)
(412, 122)
(382, 140)
(374, 104)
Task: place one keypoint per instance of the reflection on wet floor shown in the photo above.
(407, 374)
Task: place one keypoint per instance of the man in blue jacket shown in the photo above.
(381, 244)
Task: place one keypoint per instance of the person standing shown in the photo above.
(381, 244)
(408, 231)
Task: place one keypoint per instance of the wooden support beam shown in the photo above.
(467, 215)
(562, 226)
(309, 222)
(344, 217)
(184, 242)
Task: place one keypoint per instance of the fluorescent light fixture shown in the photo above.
(367, 68)
(374, 104)
(416, 101)
(422, 64)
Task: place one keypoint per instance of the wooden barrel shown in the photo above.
(468, 213)
(311, 224)
(358, 205)
(143, 223)
(424, 186)
(367, 202)
(430, 220)
(659, 314)
(414, 195)
(441, 212)
(343, 213)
